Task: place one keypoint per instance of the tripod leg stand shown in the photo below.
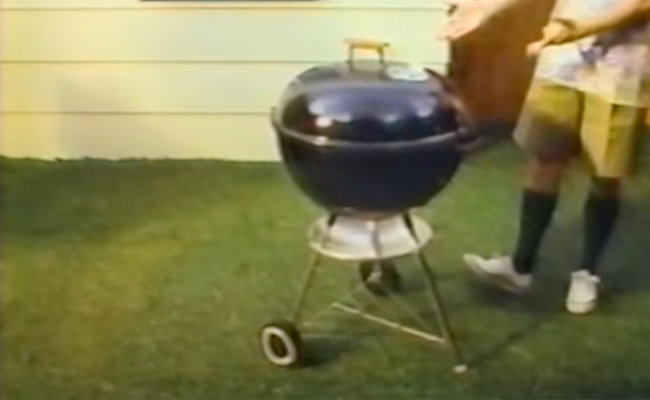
(316, 258)
(436, 300)
(281, 340)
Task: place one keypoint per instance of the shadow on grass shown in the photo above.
(330, 334)
(344, 333)
(322, 350)
(624, 265)
(529, 314)
(510, 338)
(624, 271)
(413, 307)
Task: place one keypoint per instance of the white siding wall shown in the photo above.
(122, 78)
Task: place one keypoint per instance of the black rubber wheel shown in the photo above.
(282, 344)
(380, 277)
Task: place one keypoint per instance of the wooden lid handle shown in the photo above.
(366, 44)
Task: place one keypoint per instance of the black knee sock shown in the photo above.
(536, 213)
(601, 214)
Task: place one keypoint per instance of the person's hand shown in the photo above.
(556, 32)
(465, 18)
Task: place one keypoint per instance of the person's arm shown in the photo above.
(622, 14)
(562, 30)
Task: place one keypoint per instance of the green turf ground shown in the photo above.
(149, 280)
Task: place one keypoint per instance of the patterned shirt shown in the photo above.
(614, 65)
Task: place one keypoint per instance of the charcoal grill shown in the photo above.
(369, 141)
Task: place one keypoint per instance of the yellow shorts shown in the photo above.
(559, 123)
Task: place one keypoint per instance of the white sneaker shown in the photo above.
(583, 292)
(499, 271)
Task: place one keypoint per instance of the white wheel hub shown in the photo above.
(273, 336)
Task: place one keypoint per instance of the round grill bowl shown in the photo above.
(369, 137)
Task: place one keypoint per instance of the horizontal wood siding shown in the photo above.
(123, 78)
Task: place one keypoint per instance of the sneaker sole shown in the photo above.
(580, 308)
(494, 280)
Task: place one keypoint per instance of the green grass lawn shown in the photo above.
(149, 280)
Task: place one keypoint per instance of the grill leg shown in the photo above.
(309, 275)
(437, 302)
(376, 242)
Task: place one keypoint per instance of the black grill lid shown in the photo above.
(368, 101)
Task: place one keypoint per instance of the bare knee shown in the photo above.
(545, 175)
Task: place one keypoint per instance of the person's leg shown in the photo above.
(548, 131)
(601, 211)
(539, 200)
(609, 135)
